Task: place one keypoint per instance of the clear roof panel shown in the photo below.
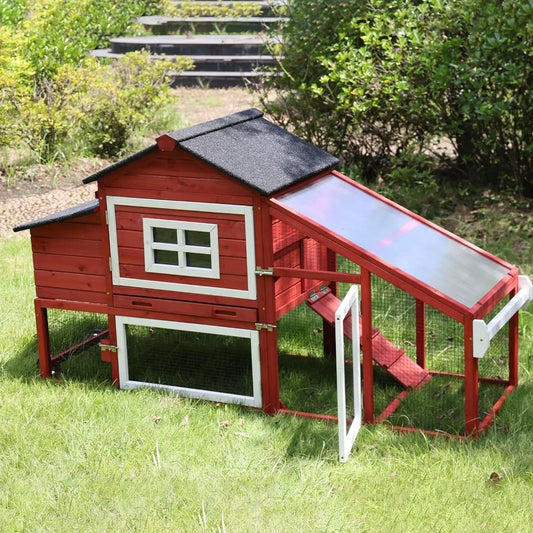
(405, 242)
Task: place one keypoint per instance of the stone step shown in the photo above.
(191, 45)
(210, 63)
(213, 80)
(160, 25)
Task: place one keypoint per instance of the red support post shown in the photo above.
(421, 333)
(43, 339)
(513, 347)
(366, 344)
(113, 354)
(471, 382)
(327, 328)
(268, 339)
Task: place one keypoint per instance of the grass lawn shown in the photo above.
(78, 455)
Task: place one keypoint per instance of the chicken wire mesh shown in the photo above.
(74, 349)
(189, 359)
(400, 324)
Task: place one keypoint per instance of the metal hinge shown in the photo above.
(269, 327)
(314, 296)
(110, 265)
(107, 217)
(107, 347)
(264, 271)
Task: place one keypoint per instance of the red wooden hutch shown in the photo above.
(219, 230)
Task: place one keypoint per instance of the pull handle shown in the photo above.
(484, 333)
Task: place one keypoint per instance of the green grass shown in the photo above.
(78, 455)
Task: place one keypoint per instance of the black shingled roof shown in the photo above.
(251, 149)
(244, 145)
(72, 212)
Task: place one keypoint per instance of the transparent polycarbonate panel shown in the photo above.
(406, 243)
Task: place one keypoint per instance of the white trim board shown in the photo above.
(216, 396)
(246, 211)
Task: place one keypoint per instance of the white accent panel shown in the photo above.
(483, 333)
(347, 435)
(216, 396)
(246, 211)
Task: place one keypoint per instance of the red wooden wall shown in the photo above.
(68, 259)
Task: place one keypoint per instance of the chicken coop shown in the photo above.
(231, 262)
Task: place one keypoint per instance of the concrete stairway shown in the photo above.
(221, 60)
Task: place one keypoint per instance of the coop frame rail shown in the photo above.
(483, 333)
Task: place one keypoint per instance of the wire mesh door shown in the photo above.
(348, 428)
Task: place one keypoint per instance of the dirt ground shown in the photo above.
(46, 190)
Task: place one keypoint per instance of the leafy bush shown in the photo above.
(193, 8)
(12, 12)
(51, 92)
(98, 106)
(389, 77)
(59, 33)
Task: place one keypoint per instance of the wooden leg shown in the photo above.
(366, 345)
(471, 383)
(43, 339)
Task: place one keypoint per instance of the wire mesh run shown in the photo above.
(418, 359)
(307, 371)
(74, 338)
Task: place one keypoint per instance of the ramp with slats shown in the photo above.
(384, 352)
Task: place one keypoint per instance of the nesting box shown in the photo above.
(224, 253)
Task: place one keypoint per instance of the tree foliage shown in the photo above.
(385, 79)
(51, 91)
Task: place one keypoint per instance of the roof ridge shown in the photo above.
(217, 124)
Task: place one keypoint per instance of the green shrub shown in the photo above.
(219, 9)
(123, 98)
(388, 76)
(59, 33)
(97, 106)
(53, 95)
(12, 12)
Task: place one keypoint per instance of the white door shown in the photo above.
(348, 431)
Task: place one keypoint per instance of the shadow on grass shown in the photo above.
(84, 365)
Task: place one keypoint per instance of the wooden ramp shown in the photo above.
(386, 354)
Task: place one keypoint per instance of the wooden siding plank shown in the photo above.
(190, 179)
(225, 312)
(178, 195)
(176, 295)
(228, 281)
(227, 228)
(68, 230)
(68, 280)
(70, 295)
(66, 263)
(58, 246)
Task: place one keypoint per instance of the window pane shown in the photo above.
(166, 257)
(168, 235)
(198, 260)
(197, 238)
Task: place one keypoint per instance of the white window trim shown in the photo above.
(181, 269)
(250, 293)
(125, 383)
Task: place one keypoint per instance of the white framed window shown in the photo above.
(181, 248)
(168, 206)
